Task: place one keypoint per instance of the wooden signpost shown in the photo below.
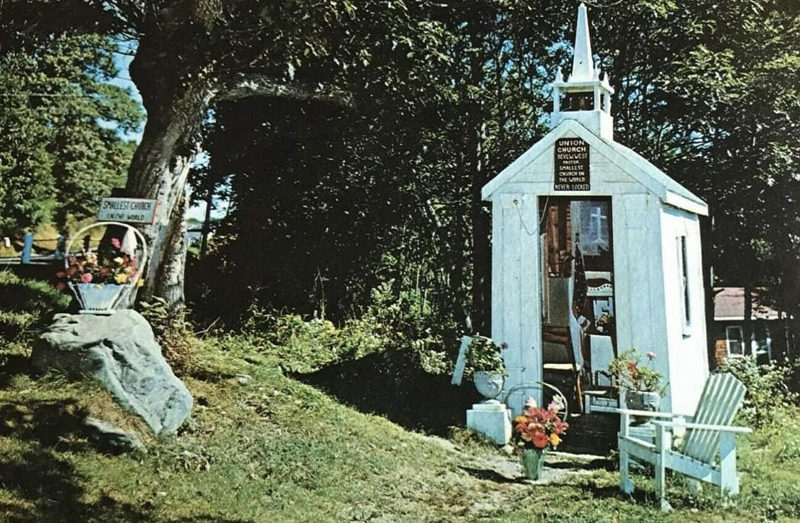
(571, 165)
(131, 210)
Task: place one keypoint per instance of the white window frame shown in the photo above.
(740, 340)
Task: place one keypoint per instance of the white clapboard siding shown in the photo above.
(530, 290)
(644, 299)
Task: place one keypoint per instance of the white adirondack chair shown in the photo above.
(708, 451)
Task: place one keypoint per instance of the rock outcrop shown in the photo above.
(120, 351)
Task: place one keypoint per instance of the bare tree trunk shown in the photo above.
(706, 230)
(481, 251)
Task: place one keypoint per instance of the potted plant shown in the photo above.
(638, 384)
(485, 362)
(535, 431)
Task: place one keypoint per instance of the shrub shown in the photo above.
(768, 396)
(410, 323)
(396, 320)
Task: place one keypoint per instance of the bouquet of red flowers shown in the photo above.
(538, 428)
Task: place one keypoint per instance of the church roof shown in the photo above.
(668, 190)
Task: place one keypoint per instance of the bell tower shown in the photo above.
(584, 97)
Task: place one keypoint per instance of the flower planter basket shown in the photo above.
(103, 298)
(488, 384)
(641, 400)
(99, 298)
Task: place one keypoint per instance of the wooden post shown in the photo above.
(27, 247)
(729, 482)
(663, 443)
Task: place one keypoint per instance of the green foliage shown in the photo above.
(483, 354)
(62, 128)
(708, 96)
(306, 345)
(25, 305)
(388, 190)
(395, 321)
(410, 323)
(768, 399)
(174, 333)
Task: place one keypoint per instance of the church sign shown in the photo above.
(132, 210)
(571, 165)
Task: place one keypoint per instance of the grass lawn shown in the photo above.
(261, 446)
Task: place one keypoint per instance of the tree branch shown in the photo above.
(260, 85)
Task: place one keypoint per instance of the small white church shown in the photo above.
(594, 251)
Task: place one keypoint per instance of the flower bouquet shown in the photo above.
(535, 431)
(99, 279)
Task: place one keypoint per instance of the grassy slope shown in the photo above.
(273, 449)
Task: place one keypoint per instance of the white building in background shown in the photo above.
(594, 251)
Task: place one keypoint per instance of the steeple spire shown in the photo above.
(582, 61)
(586, 93)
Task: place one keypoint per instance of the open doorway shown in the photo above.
(578, 312)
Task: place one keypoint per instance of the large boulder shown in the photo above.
(121, 351)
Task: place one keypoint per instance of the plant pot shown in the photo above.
(99, 297)
(532, 463)
(489, 384)
(640, 400)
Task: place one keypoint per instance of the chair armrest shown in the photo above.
(645, 413)
(701, 426)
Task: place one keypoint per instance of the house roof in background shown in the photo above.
(729, 306)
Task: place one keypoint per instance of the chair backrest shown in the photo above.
(722, 396)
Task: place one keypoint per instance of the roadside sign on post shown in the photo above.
(131, 210)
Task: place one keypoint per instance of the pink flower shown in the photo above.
(115, 243)
(60, 286)
(86, 277)
(651, 355)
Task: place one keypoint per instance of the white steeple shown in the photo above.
(587, 94)
(582, 61)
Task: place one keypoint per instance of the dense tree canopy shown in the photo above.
(358, 135)
(62, 130)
